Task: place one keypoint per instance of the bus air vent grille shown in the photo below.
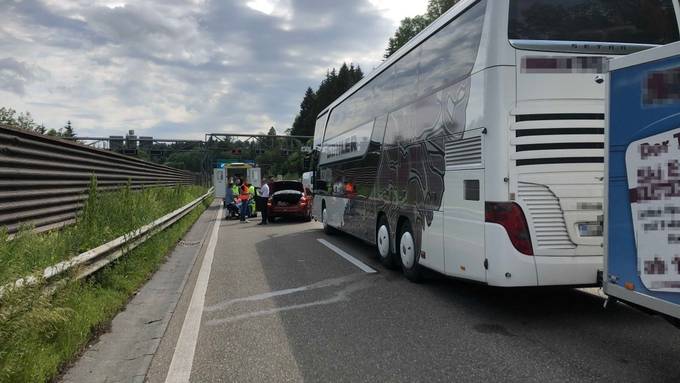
(565, 140)
(464, 152)
(550, 228)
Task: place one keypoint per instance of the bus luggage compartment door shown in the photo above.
(464, 224)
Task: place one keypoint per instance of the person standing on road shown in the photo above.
(244, 196)
(264, 197)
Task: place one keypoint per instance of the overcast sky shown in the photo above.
(182, 68)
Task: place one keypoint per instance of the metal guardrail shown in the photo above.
(95, 259)
(44, 180)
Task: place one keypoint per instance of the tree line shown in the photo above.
(10, 118)
(314, 102)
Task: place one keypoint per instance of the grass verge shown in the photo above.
(105, 217)
(40, 333)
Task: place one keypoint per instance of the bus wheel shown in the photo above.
(382, 240)
(324, 219)
(409, 254)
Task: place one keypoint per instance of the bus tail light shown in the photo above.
(511, 217)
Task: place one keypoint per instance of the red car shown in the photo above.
(289, 199)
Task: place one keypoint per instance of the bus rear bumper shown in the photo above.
(507, 267)
(569, 271)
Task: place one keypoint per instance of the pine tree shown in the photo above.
(357, 74)
(68, 130)
(344, 77)
(332, 86)
(305, 120)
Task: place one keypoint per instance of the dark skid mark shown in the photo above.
(490, 328)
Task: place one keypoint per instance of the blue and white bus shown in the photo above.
(643, 168)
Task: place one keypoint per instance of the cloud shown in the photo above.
(178, 67)
(16, 75)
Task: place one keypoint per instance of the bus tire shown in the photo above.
(328, 229)
(409, 254)
(382, 244)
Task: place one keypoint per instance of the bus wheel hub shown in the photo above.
(407, 250)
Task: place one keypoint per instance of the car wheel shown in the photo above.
(382, 240)
(409, 254)
(326, 227)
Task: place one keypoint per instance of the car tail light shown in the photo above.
(269, 202)
(303, 201)
(511, 217)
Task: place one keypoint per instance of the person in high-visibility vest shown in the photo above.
(251, 202)
(244, 196)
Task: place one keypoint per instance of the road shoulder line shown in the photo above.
(183, 357)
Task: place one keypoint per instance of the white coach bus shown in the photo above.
(477, 149)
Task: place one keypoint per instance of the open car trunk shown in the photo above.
(286, 193)
(286, 198)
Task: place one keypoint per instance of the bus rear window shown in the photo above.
(613, 21)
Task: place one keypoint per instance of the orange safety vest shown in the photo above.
(245, 193)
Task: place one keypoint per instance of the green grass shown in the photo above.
(105, 217)
(40, 333)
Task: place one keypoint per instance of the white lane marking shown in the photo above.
(364, 267)
(340, 296)
(183, 358)
(260, 297)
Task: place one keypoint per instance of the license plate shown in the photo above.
(590, 229)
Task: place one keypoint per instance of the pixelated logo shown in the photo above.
(559, 64)
(661, 87)
(653, 168)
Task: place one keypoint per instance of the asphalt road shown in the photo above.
(281, 306)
